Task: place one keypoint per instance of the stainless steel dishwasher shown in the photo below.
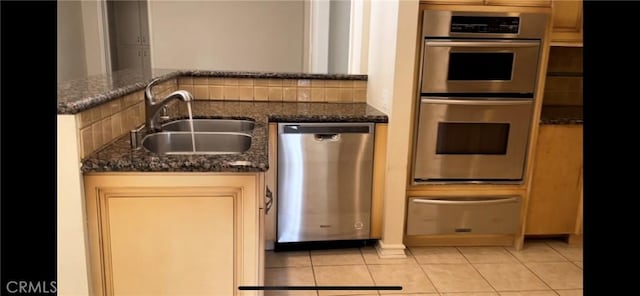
(324, 181)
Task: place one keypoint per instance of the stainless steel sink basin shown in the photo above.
(210, 125)
(206, 143)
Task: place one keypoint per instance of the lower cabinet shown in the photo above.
(556, 186)
(175, 233)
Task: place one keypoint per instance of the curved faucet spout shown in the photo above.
(152, 108)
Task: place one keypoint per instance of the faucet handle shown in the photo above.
(147, 91)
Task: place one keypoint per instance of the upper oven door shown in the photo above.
(458, 66)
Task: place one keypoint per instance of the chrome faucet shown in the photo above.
(152, 108)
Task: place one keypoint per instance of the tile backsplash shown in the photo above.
(104, 123)
(563, 84)
(281, 90)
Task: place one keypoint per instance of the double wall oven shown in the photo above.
(477, 84)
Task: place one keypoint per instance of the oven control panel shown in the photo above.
(485, 24)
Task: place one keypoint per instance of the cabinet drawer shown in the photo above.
(476, 214)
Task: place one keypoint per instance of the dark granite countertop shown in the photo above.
(555, 114)
(77, 95)
(119, 156)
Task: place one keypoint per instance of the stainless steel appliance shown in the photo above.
(324, 181)
(451, 215)
(477, 87)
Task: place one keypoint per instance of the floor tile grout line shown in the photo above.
(503, 248)
(429, 278)
(552, 249)
(558, 251)
(536, 275)
(313, 270)
(370, 275)
(373, 280)
(482, 276)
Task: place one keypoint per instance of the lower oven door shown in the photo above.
(462, 140)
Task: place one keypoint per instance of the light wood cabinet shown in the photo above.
(566, 23)
(175, 233)
(556, 188)
(540, 3)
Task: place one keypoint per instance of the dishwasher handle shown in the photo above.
(326, 130)
(326, 137)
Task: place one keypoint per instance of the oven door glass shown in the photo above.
(488, 66)
(479, 66)
(471, 140)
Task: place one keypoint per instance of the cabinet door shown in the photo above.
(144, 22)
(127, 22)
(146, 57)
(129, 57)
(169, 244)
(555, 188)
(174, 234)
(567, 23)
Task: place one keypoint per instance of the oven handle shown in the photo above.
(482, 44)
(477, 102)
(464, 202)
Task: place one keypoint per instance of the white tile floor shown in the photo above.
(542, 267)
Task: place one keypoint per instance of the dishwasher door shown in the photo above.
(324, 181)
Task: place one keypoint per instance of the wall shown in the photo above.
(212, 34)
(94, 41)
(71, 52)
(392, 56)
(359, 36)
(382, 48)
(339, 17)
(72, 254)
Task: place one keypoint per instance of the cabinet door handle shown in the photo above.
(269, 201)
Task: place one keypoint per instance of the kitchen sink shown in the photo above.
(210, 125)
(177, 142)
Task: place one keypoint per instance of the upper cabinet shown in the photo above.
(544, 3)
(129, 22)
(567, 23)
